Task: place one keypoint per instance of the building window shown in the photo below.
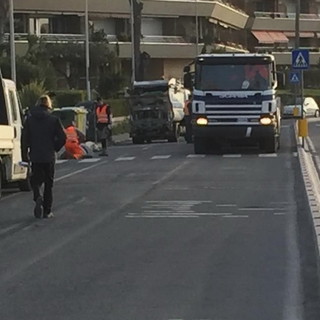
(39, 26)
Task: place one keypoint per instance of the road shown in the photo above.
(156, 233)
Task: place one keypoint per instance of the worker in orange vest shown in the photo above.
(103, 116)
(73, 143)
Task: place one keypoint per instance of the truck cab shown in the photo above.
(235, 100)
(11, 168)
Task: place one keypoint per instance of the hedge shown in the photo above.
(287, 97)
(68, 97)
(119, 107)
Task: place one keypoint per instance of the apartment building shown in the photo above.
(169, 34)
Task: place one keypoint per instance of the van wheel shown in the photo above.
(0, 182)
(25, 185)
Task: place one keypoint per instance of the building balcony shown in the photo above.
(216, 10)
(268, 21)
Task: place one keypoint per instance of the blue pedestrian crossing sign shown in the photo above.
(294, 77)
(300, 59)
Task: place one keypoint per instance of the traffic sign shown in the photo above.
(294, 77)
(300, 59)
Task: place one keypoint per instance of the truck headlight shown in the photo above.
(202, 121)
(266, 121)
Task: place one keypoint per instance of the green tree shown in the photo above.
(4, 15)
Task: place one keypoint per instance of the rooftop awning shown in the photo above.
(270, 37)
(263, 37)
(278, 37)
(302, 34)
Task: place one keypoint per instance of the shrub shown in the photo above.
(30, 93)
(68, 97)
(119, 107)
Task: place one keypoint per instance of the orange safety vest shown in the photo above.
(102, 114)
(72, 136)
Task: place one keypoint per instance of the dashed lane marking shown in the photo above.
(232, 155)
(61, 161)
(125, 159)
(194, 156)
(268, 155)
(161, 157)
(90, 160)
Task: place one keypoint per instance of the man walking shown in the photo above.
(43, 135)
(103, 114)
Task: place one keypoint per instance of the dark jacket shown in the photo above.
(42, 136)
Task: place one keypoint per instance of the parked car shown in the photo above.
(310, 108)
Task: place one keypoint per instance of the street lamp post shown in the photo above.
(87, 50)
(12, 42)
(133, 56)
(197, 27)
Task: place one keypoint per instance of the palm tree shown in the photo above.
(4, 15)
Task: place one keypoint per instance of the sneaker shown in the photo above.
(48, 216)
(38, 210)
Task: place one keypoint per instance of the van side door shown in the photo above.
(14, 115)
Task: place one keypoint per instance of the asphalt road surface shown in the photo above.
(156, 233)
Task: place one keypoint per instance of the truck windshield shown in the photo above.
(233, 77)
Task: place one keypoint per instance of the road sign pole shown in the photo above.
(302, 100)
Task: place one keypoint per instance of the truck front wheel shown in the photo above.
(270, 145)
(200, 146)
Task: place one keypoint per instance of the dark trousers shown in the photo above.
(43, 173)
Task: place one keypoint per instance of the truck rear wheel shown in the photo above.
(137, 140)
(200, 146)
(174, 134)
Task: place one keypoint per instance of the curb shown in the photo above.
(312, 185)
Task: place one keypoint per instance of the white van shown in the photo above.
(11, 170)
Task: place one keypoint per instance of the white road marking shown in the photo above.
(125, 159)
(161, 216)
(90, 160)
(226, 205)
(61, 161)
(235, 216)
(13, 227)
(285, 126)
(257, 209)
(268, 155)
(194, 156)
(279, 213)
(161, 157)
(295, 154)
(79, 171)
(232, 156)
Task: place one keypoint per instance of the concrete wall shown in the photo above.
(173, 68)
